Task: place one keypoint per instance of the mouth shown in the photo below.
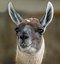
(25, 46)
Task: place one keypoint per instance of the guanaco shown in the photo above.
(29, 32)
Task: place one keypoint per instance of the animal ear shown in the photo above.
(47, 18)
(16, 18)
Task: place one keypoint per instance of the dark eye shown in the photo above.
(17, 29)
(40, 30)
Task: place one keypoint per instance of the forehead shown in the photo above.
(33, 22)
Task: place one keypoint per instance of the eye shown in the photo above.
(40, 30)
(17, 29)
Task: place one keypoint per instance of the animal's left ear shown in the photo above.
(47, 18)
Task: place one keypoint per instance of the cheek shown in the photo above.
(35, 36)
(19, 40)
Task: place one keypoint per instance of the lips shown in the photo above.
(23, 45)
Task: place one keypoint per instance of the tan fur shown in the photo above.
(24, 58)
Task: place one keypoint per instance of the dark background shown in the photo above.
(8, 36)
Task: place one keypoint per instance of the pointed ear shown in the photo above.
(47, 18)
(16, 18)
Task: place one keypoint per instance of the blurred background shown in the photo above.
(27, 9)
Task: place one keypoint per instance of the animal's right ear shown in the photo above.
(16, 18)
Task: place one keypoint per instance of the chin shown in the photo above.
(28, 50)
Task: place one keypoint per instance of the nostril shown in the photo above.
(26, 37)
(23, 37)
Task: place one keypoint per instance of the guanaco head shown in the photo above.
(30, 31)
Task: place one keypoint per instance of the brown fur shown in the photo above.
(34, 22)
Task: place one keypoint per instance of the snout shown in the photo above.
(24, 39)
(23, 36)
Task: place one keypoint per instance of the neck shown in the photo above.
(25, 58)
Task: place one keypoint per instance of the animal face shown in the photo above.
(30, 31)
(29, 34)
